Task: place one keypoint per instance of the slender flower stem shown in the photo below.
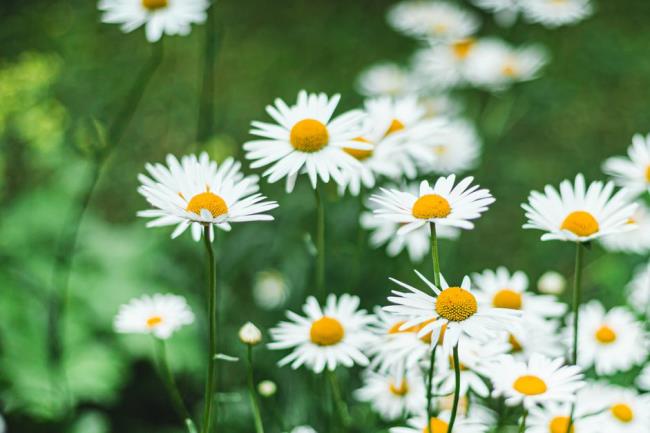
(206, 97)
(255, 406)
(434, 255)
(454, 409)
(522, 425)
(168, 379)
(212, 318)
(577, 280)
(339, 404)
(320, 243)
(430, 387)
(436, 280)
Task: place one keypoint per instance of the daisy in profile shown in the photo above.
(196, 192)
(453, 307)
(578, 213)
(643, 379)
(443, 65)
(639, 290)
(622, 410)
(502, 289)
(324, 337)
(611, 341)
(384, 79)
(633, 171)
(440, 424)
(495, 65)
(554, 13)
(433, 19)
(535, 336)
(171, 17)
(634, 241)
(392, 398)
(442, 204)
(455, 150)
(306, 139)
(554, 418)
(158, 315)
(539, 381)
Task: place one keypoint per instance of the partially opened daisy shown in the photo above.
(196, 192)
(325, 337)
(554, 418)
(158, 315)
(620, 410)
(452, 307)
(639, 290)
(555, 13)
(540, 380)
(633, 241)
(611, 341)
(306, 139)
(579, 213)
(392, 398)
(433, 19)
(440, 424)
(633, 171)
(384, 79)
(172, 17)
(442, 204)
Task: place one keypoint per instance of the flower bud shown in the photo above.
(250, 334)
(267, 388)
(551, 283)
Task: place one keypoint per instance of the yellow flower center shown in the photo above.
(580, 223)
(462, 47)
(152, 5)
(516, 345)
(462, 366)
(208, 201)
(400, 390)
(425, 338)
(326, 331)
(560, 424)
(622, 412)
(647, 174)
(431, 206)
(439, 28)
(309, 136)
(154, 321)
(605, 335)
(507, 298)
(440, 149)
(395, 126)
(359, 153)
(436, 425)
(509, 70)
(447, 403)
(530, 385)
(456, 304)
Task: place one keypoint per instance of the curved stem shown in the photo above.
(339, 403)
(577, 279)
(454, 409)
(255, 406)
(320, 244)
(434, 255)
(430, 386)
(522, 425)
(212, 319)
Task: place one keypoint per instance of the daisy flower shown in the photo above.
(541, 380)
(554, 418)
(455, 307)
(643, 379)
(306, 139)
(633, 171)
(578, 213)
(172, 17)
(535, 336)
(505, 11)
(639, 289)
(495, 65)
(634, 241)
(435, 19)
(622, 410)
(444, 204)
(443, 65)
(610, 341)
(196, 192)
(384, 79)
(555, 13)
(440, 424)
(158, 315)
(501, 289)
(392, 398)
(324, 337)
(456, 149)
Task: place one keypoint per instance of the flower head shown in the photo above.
(392, 397)
(250, 334)
(633, 171)
(555, 13)
(159, 315)
(435, 19)
(619, 410)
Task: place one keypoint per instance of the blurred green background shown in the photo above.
(61, 67)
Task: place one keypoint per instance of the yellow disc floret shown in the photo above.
(208, 201)
(515, 344)
(530, 385)
(462, 47)
(395, 126)
(326, 331)
(152, 5)
(507, 298)
(154, 321)
(436, 425)
(431, 206)
(560, 424)
(309, 136)
(359, 154)
(456, 304)
(647, 174)
(400, 390)
(580, 223)
(605, 335)
(623, 412)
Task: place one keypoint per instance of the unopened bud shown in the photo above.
(267, 388)
(551, 283)
(250, 334)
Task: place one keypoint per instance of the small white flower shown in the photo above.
(639, 290)
(634, 241)
(555, 13)
(434, 19)
(505, 11)
(172, 17)
(551, 283)
(267, 388)
(250, 334)
(633, 171)
(392, 397)
(443, 65)
(620, 410)
(440, 424)
(270, 290)
(535, 337)
(159, 315)
(303, 429)
(384, 79)
(643, 380)
(578, 213)
(554, 418)
(455, 150)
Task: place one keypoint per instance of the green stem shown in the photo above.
(434, 255)
(206, 98)
(454, 409)
(430, 386)
(320, 244)
(168, 379)
(577, 280)
(339, 403)
(212, 318)
(522, 426)
(255, 406)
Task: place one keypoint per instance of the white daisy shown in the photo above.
(443, 65)
(326, 337)
(495, 65)
(535, 336)
(643, 379)
(384, 79)
(621, 410)
(455, 307)
(541, 380)
(171, 17)
(555, 13)
(633, 241)
(505, 11)
(551, 283)
(501, 289)
(434, 19)
(554, 418)
(444, 204)
(609, 341)
(199, 193)
(577, 213)
(440, 424)
(159, 315)
(306, 140)
(633, 171)
(639, 290)
(439, 105)
(391, 397)
(455, 150)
